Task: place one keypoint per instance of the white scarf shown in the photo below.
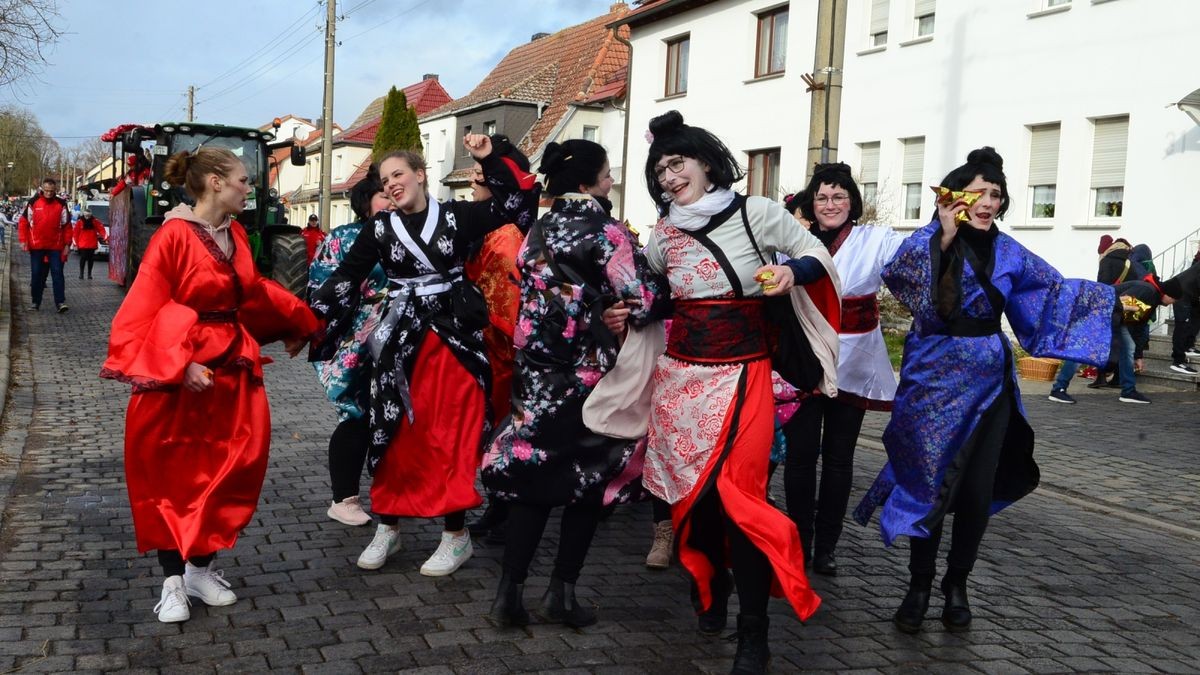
(697, 214)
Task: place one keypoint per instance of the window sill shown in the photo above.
(1107, 224)
(871, 50)
(671, 97)
(1040, 224)
(1100, 2)
(910, 225)
(917, 40)
(1048, 11)
(761, 78)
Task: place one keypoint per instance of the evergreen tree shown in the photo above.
(398, 128)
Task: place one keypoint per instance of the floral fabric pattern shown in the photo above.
(543, 453)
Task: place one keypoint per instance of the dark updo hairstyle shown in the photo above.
(673, 137)
(836, 174)
(988, 165)
(572, 163)
(190, 169)
(363, 192)
(503, 147)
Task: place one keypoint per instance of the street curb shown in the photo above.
(6, 316)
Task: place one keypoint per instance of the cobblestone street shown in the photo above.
(1098, 571)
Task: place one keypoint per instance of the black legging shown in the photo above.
(752, 574)
(971, 502)
(660, 509)
(347, 451)
(525, 525)
(452, 522)
(172, 561)
(86, 257)
(820, 518)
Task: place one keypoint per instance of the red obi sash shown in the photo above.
(718, 331)
(860, 314)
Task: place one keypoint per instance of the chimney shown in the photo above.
(429, 76)
(538, 36)
(616, 7)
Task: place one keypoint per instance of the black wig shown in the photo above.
(572, 163)
(988, 165)
(673, 137)
(363, 191)
(838, 175)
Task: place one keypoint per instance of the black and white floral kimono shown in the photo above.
(429, 387)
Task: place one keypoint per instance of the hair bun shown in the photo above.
(666, 124)
(833, 172)
(552, 158)
(986, 155)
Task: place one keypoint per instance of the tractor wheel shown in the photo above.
(289, 262)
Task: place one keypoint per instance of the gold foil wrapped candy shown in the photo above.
(763, 278)
(946, 196)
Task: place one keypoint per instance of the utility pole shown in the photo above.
(826, 109)
(191, 102)
(327, 116)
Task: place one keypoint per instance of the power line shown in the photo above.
(387, 21)
(261, 70)
(290, 30)
(357, 7)
(282, 79)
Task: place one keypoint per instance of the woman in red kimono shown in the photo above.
(187, 338)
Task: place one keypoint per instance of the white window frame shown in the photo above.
(1044, 153)
(924, 9)
(595, 133)
(878, 15)
(1112, 156)
(868, 170)
(771, 184)
(681, 72)
(912, 179)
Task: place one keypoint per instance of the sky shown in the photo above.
(251, 61)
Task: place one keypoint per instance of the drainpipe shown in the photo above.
(625, 145)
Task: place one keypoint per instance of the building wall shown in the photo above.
(511, 120)
(440, 142)
(723, 96)
(609, 124)
(992, 70)
(989, 72)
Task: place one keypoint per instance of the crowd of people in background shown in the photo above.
(559, 363)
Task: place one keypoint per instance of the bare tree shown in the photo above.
(26, 152)
(27, 31)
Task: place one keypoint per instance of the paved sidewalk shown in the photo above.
(1062, 585)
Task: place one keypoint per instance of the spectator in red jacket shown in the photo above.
(44, 230)
(313, 236)
(89, 232)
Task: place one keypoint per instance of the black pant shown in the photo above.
(710, 527)
(820, 518)
(86, 257)
(172, 561)
(452, 522)
(347, 451)
(660, 509)
(1184, 335)
(971, 500)
(525, 525)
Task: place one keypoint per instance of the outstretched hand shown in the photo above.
(293, 347)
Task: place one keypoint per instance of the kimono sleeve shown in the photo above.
(783, 234)
(270, 312)
(514, 200)
(1056, 317)
(654, 256)
(148, 345)
(338, 296)
(628, 272)
(911, 274)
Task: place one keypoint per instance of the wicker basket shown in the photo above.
(1034, 368)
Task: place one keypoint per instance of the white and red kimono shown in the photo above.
(713, 416)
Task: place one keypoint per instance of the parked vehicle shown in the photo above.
(136, 211)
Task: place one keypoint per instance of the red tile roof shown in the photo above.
(570, 66)
(423, 96)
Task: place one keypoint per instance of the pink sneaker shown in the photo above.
(348, 511)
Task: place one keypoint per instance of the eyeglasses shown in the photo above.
(822, 200)
(675, 165)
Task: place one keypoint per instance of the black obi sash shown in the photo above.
(718, 331)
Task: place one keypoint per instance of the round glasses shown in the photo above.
(675, 165)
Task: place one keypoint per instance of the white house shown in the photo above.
(1079, 96)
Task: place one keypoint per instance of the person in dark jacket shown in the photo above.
(1115, 266)
(1187, 316)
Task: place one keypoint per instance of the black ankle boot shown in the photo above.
(493, 516)
(912, 609)
(753, 654)
(509, 607)
(714, 620)
(560, 606)
(823, 563)
(956, 616)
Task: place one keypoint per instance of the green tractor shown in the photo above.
(141, 198)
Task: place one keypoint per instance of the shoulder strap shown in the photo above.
(750, 233)
(1124, 272)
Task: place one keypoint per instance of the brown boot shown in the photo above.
(659, 557)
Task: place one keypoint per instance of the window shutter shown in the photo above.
(1043, 155)
(923, 7)
(914, 159)
(879, 16)
(1108, 152)
(869, 166)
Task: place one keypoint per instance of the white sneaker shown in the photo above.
(209, 585)
(454, 550)
(173, 605)
(385, 543)
(349, 512)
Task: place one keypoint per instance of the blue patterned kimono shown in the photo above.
(957, 363)
(347, 376)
